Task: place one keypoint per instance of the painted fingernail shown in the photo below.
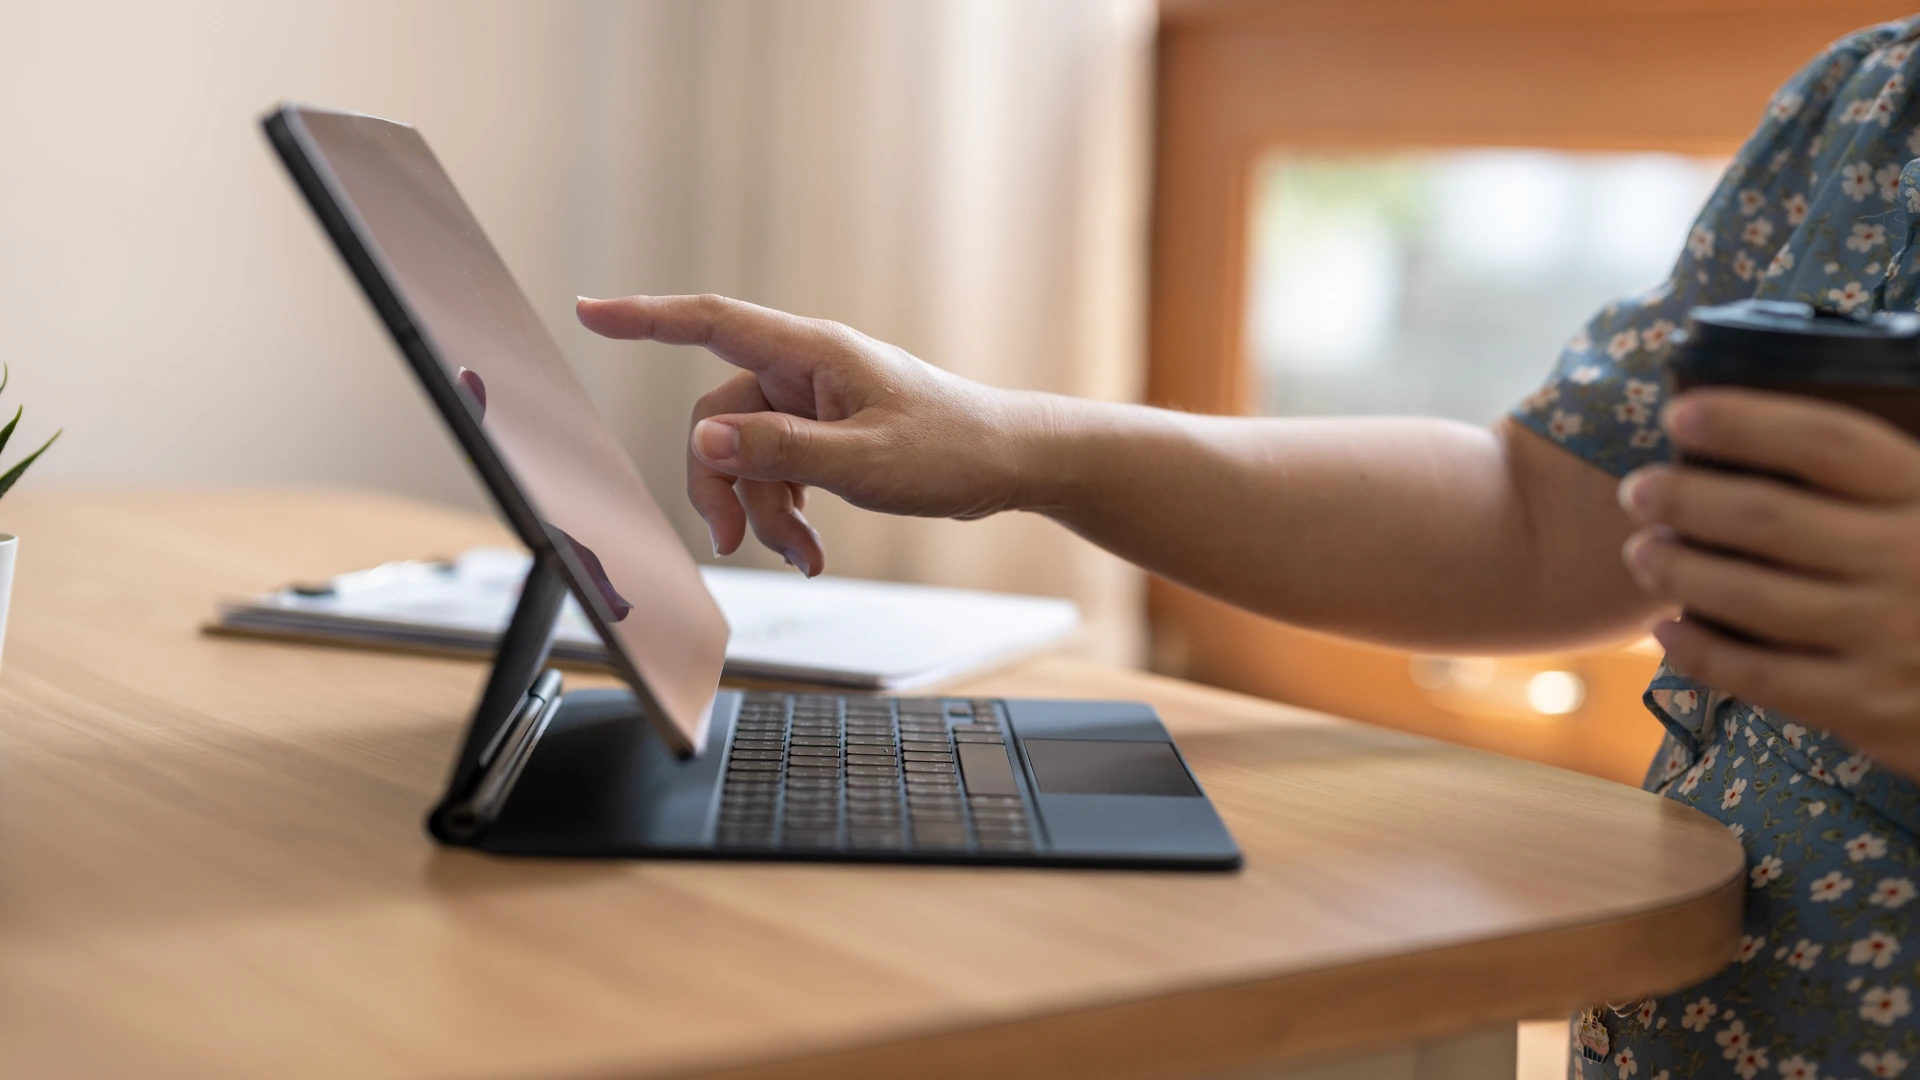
(799, 562)
(716, 441)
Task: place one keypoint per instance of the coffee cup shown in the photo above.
(1869, 362)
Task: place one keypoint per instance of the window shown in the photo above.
(1444, 283)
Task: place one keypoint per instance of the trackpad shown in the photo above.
(1107, 767)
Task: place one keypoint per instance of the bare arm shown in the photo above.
(1426, 534)
(1420, 533)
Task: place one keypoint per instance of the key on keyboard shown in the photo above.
(818, 772)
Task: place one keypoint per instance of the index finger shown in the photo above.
(744, 335)
(1844, 450)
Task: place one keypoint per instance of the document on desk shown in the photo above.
(833, 631)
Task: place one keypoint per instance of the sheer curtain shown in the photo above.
(964, 178)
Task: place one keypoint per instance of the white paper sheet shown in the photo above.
(838, 631)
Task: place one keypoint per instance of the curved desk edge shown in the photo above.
(1307, 1017)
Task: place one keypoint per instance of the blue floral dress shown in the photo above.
(1821, 205)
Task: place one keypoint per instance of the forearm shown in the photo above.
(1425, 534)
(1414, 532)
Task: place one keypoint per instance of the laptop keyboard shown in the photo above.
(857, 773)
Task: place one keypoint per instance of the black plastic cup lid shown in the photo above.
(1779, 341)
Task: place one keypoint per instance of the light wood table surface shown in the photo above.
(212, 865)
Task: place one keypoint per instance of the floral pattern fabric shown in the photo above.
(1821, 205)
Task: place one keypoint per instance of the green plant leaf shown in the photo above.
(5, 374)
(8, 478)
(7, 432)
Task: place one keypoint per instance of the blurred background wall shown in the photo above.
(964, 178)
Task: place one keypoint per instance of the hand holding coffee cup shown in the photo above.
(1788, 532)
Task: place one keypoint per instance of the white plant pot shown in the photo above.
(9, 543)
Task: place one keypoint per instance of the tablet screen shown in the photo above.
(559, 457)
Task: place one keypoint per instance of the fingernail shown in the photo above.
(1639, 553)
(1636, 493)
(1681, 418)
(585, 300)
(716, 441)
(1665, 632)
(714, 539)
(799, 562)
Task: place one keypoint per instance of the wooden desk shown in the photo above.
(212, 865)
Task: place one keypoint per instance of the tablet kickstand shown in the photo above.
(521, 696)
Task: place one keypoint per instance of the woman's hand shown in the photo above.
(819, 404)
(1825, 575)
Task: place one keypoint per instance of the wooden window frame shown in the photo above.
(1238, 78)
